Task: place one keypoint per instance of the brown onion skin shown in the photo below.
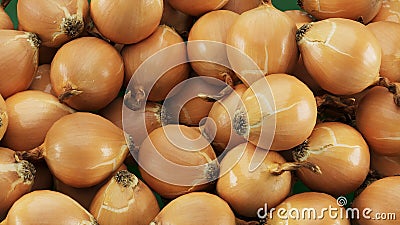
(385, 166)
(97, 74)
(176, 19)
(3, 117)
(382, 196)
(337, 149)
(196, 208)
(56, 22)
(197, 7)
(126, 22)
(388, 34)
(41, 81)
(134, 55)
(5, 20)
(47, 207)
(377, 118)
(241, 6)
(21, 48)
(389, 11)
(31, 113)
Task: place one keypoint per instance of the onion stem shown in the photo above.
(213, 98)
(33, 154)
(135, 100)
(292, 166)
(393, 88)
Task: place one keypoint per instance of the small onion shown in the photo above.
(299, 17)
(82, 134)
(378, 119)
(385, 165)
(287, 102)
(293, 210)
(183, 146)
(241, 6)
(126, 22)
(196, 208)
(388, 36)
(30, 115)
(341, 153)
(363, 10)
(248, 190)
(47, 207)
(41, 81)
(390, 11)
(134, 55)
(3, 117)
(176, 19)
(5, 20)
(55, 21)
(124, 200)
(341, 55)
(91, 80)
(381, 197)
(197, 7)
(249, 35)
(18, 60)
(203, 53)
(16, 179)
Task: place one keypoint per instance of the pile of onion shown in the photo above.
(197, 7)
(3, 117)
(389, 11)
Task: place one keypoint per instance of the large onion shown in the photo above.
(55, 21)
(241, 6)
(5, 20)
(390, 11)
(3, 117)
(197, 7)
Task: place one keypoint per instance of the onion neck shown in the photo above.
(333, 108)
(266, 2)
(279, 169)
(69, 91)
(33, 154)
(392, 87)
(213, 98)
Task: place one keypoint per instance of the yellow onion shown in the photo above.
(381, 197)
(43, 177)
(18, 60)
(341, 55)
(362, 10)
(197, 7)
(309, 208)
(280, 102)
(256, 34)
(248, 190)
(388, 34)
(134, 55)
(377, 119)
(16, 179)
(220, 118)
(124, 200)
(47, 207)
(46, 54)
(55, 21)
(87, 73)
(176, 159)
(126, 22)
(241, 6)
(390, 11)
(5, 20)
(176, 19)
(196, 208)
(385, 165)
(204, 54)
(30, 115)
(299, 17)
(341, 153)
(82, 149)
(41, 81)
(3, 117)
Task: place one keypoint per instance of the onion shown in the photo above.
(197, 7)
(309, 208)
(176, 19)
(385, 165)
(47, 207)
(55, 21)
(41, 81)
(362, 10)
(30, 115)
(382, 197)
(248, 190)
(299, 17)
(301, 73)
(389, 11)
(250, 36)
(90, 81)
(196, 209)
(388, 34)
(124, 199)
(18, 60)
(377, 118)
(82, 134)
(338, 149)
(175, 160)
(268, 105)
(241, 6)
(43, 177)
(126, 22)
(161, 84)
(204, 53)
(342, 55)
(3, 117)
(5, 20)
(16, 179)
